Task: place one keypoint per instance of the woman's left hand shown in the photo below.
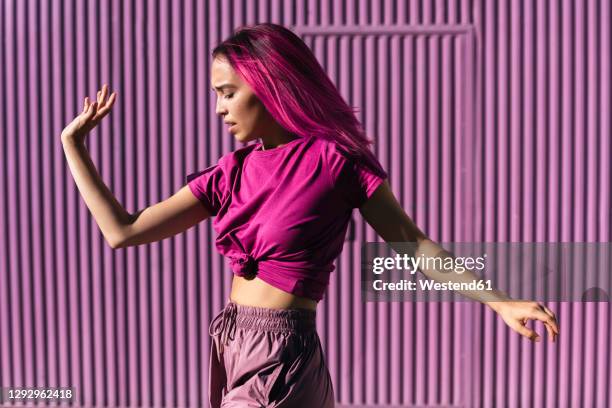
(516, 314)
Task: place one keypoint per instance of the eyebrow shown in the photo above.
(220, 87)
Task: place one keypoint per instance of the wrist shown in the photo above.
(495, 306)
(71, 140)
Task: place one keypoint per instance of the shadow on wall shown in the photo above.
(595, 295)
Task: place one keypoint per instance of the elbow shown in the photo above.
(119, 237)
(117, 241)
(114, 244)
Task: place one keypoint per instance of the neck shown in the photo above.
(274, 141)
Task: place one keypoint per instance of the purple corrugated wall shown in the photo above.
(492, 117)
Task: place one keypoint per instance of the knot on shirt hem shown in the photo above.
(243, 264)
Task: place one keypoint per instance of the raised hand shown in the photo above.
(92, 113)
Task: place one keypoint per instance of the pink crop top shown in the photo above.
(283, 213)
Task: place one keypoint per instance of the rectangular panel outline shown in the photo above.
(470, 362)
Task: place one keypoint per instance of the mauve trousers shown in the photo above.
(264, 357)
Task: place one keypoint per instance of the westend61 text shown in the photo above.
(432, 285)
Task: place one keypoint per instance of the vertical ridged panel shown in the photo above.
(399, 79)
(129, 327)
(543, 175)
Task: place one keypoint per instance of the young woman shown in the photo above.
(281, 208)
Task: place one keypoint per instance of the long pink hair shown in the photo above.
(286, 76)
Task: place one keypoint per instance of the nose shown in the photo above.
(219, 108)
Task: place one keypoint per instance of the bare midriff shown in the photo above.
(256, 292)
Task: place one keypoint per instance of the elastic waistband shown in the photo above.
(261, 318)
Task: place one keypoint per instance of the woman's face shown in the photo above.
(237, 103)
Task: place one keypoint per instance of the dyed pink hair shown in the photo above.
(286, 76)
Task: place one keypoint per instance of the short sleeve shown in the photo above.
(354, 181)
(209, 186)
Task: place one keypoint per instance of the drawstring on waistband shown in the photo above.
(224, 325)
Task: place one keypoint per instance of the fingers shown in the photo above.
(548, 319)
(109, 103)
(551, 332)
(544, 314)
(91, 111)
(552, 315)
(103, 105)
(87, 105)
(102, 101)
(532, 335)
(102, 94)
(525, 331)
(551, 324)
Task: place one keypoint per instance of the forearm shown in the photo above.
(109, 214)
(430, 250)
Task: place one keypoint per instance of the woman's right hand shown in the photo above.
(92, 113)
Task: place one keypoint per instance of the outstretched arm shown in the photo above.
(384, 213)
